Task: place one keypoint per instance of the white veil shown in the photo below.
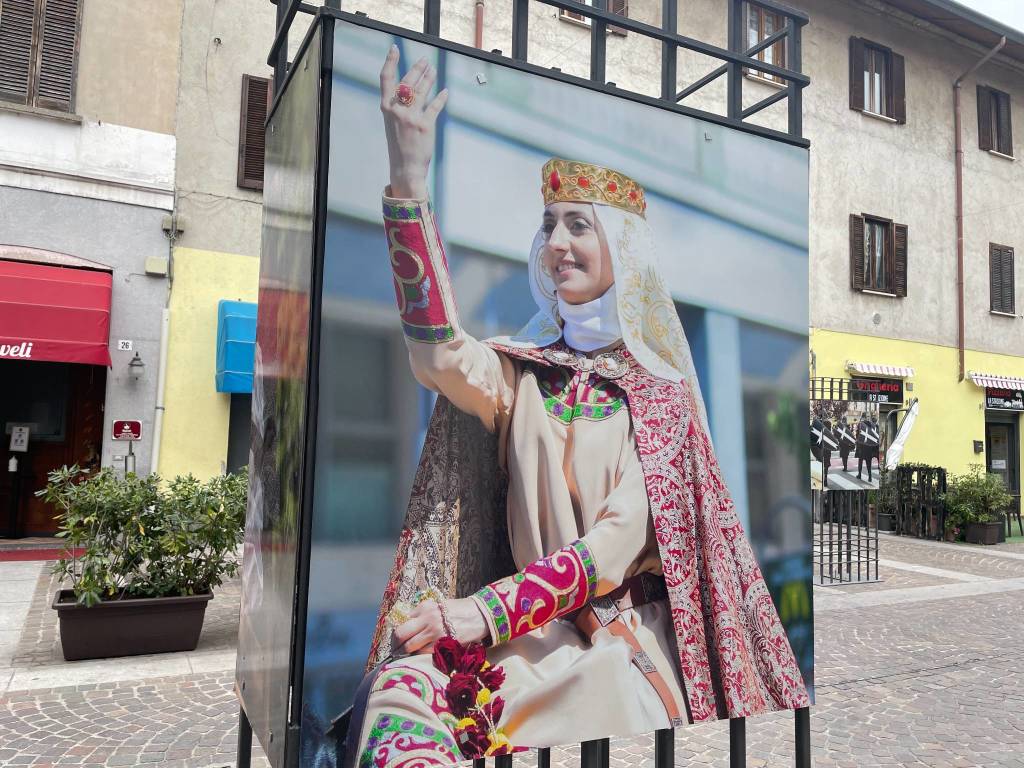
(650, 326)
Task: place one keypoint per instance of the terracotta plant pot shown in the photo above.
(983, 533)
(129, 627)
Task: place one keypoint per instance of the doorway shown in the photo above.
(1002, 451)
(62, 405)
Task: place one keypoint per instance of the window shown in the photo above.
(39, 52)
(994, 129)
(1000, 275)
(878, 255)
(877, 80)
(256, 96)
(619, 7)
(761, 24)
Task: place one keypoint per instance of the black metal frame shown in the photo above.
(845, 542)
(594, 754)
(736, 57)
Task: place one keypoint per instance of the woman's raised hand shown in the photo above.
(409, 125)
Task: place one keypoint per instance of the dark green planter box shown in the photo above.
(129, 627)
(983, 533)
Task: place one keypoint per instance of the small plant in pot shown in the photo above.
(975, 502)
(144, 558)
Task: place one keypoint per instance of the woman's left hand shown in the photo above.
(425, 625)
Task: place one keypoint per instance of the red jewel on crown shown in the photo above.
(632, 195)
(555, 182)
(612, 186)
(584, 182)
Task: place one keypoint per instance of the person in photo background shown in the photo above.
(631, 600)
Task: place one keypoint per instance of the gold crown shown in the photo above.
(570, 181)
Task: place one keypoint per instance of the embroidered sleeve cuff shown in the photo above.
(423, 290)
(551, 587)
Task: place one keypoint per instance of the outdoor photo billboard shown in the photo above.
(491, 441)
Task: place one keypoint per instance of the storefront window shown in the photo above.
(34, 394)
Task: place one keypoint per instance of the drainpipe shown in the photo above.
(960, 343)
(158, 412)
(478, 38)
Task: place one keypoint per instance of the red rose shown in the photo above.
(461, 693)
(554, 181)
(492, 678)
(494, 708)
(472, 741)
(447, 654)
(473, 658)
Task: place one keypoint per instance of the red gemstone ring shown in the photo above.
(404, 95)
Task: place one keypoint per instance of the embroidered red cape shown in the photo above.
(734, 655)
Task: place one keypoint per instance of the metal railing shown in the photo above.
(736, 59)
(845, 540)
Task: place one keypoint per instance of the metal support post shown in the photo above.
(594, 754)
(669, 23)
(598, 42)
(544, 758)
(244, 752)
(802, 722)
(664, 748)
(738, 742)
(520, 28)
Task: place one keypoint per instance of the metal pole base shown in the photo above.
(802, 737)
(664, 748)
(244, 752)
(738, 742)
(594, 754)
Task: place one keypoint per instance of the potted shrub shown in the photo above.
(151, 557)
(975, 502)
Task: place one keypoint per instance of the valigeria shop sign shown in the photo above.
(23, 350)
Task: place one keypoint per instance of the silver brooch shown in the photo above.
(608, 365)
(611, 365)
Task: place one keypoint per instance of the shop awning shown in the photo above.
(995, 380)
(875, 369)
(236, 345)
(54, 313)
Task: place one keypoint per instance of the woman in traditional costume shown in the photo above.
(568, 512)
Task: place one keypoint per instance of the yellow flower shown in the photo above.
(465, 722)
(498, 740)
(487, 665)
(483, 696)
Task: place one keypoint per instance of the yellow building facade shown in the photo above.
(951, 424)
(196, 417)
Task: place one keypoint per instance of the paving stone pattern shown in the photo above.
(932, 683)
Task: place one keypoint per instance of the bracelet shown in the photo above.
(445, 621)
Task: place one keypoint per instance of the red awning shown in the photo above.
(54, 313)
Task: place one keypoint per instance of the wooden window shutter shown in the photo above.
(1005, 127)
(985, 139)
(256, 96)
(17, 32)
(899, 252)
(856, 252)
(58, 54)
(620, 7)
(856, 73)
(898, 90)
(1001, 282)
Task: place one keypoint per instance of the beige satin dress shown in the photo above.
(571, 476)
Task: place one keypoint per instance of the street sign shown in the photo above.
(19, 439)
(1000, 399)
(876, 390)
(127, 429)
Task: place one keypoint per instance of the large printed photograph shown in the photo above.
(561, 476)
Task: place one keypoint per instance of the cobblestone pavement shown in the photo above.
(931, 678)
